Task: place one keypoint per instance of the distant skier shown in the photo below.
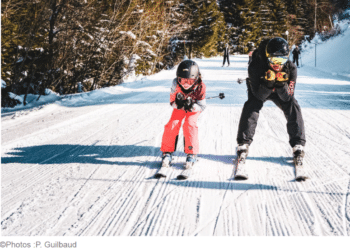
(296, 53)
(226, 56)
(272, 76)
(187, 97)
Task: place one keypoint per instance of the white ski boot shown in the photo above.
(298, 157)
(166, 159)
(190, 161)
(241, 171)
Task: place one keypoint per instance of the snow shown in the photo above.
(129, 34)
(32, 100)
(331, 55)
(82, 165)
(3, 84)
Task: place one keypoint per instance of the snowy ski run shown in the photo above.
(85, 165)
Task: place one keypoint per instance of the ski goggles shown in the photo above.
(186, 83)
(281, 60)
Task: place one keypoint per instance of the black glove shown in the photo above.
(180, 100)
(188, 104)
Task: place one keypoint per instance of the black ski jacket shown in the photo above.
(296, 53)
(226, 51)
(256, 74)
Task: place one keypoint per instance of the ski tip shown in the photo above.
(182, 177)
(301, 178)
(159, 175)
(241, 177)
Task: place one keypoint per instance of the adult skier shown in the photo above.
(271, 76)
(187, 97)
(296, 53)
(226, 56)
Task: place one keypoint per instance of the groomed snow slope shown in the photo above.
(84, 165)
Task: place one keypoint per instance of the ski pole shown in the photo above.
(221, 96)
(240, 80)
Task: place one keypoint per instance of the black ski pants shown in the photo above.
(250, 116)
(228, 60)
(296, 60)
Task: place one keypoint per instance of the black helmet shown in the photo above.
(277, 47)
(188, 69)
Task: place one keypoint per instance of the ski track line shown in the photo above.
(346, 216)
(125, 171)
(147, 217)
(92, 209)
(43, 177)
(83, 230)
(59, 154)
(153, 226)
(61, 215)
(103, 128)
(45, 173)
(142, 220)
(112, 218)
(306, 194)
(122, 217)
(68, 126)
(216, 217)
(318, 218)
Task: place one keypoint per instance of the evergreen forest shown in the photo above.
(72, 46)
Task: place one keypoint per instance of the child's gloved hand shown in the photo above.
(270, 79)
(188, 106)
(180, 101)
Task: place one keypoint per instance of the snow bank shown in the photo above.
(332, 56)
(32, 100)
(3, 84)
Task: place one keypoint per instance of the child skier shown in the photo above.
(187, 97)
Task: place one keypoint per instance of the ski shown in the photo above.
(185, 174)
(240, 169)
(163, 170)
(298, 156)
(300, 173)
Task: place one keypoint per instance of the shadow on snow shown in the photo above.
(101, 154)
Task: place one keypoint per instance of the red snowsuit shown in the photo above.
(190, 128)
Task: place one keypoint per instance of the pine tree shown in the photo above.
(207, 28)
(231, 11)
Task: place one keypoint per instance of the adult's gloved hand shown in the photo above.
(281, 79)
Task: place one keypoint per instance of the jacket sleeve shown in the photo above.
(173, 93)
(292, 72)
(201, 102)
(256, 72)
